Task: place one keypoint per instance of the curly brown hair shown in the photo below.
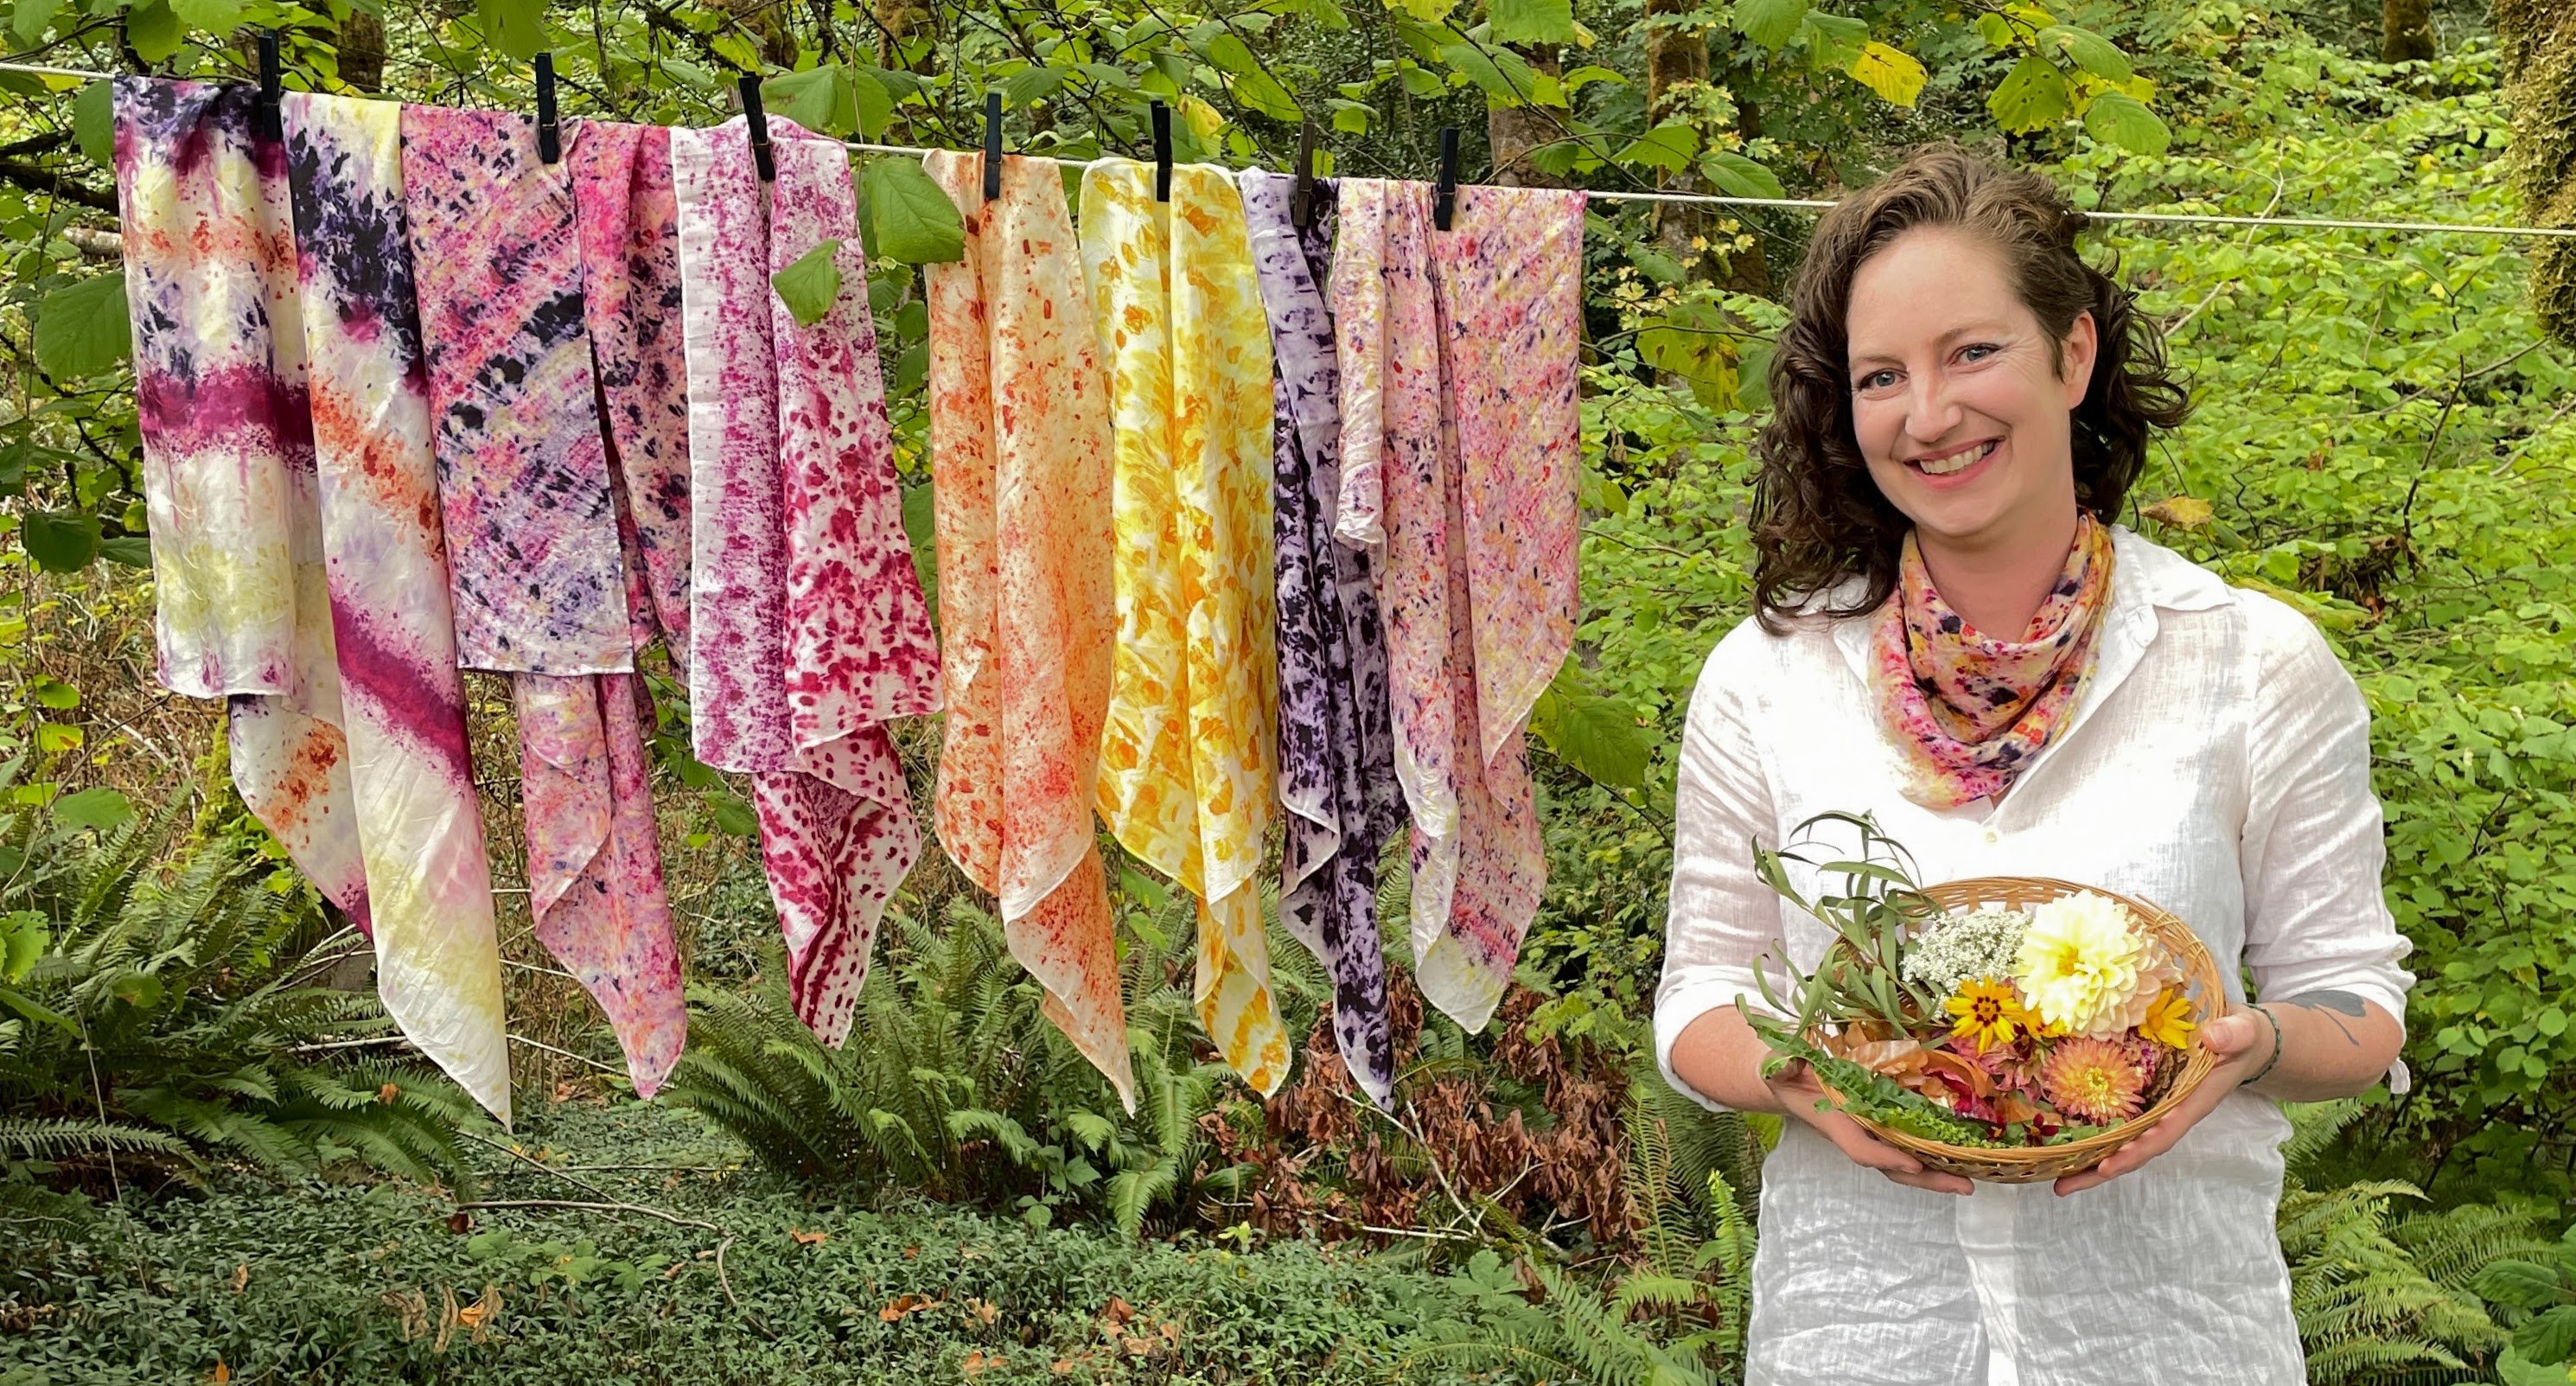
(1818, 517)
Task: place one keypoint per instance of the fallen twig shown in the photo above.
(669, 1217)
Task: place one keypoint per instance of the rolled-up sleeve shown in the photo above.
(1722, 915)
(2312, 850)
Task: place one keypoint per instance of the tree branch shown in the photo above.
(36, 178)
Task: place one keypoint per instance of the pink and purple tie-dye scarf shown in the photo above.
(1460, 456)
(537, 573)
(808, 626)
(1336, 745)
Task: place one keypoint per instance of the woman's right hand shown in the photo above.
(1799, 1093)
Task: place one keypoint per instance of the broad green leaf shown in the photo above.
(94, 123)
(873, 103)
(1428, 11)
(1251, 85)
(516, 27)
(1596, 735)
(1656, 265)
(101, 808)
(811, 99)
(132, 550)
(812, 284)
(31, 18)
(1668, 146)
(2122, 120)
(1770, 23)
(1737, 176)
(2512, 1368)
(2518, 1284)
(1996, 30)
(141, 990)
(2032, 96)
(2548, 1337)
(1835, 40)
(1031, 85)
(1584, 76)
(1532, 21)
(155, 32)
(57, 696)
(1499, 72)
(2091, 51)
(915, 222)
(59, 541)
(1892, 73)
(1351, 117)
(82, 329)
(732, 814)
(23, 936)
(218, 17)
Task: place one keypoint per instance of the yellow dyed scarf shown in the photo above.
(1189, 758)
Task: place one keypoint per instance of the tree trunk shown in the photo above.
(1511, 132)
(2539, 44)
(2405, 30)
(1676, 61)
(362, 51)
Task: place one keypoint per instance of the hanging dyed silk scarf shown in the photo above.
(628, 218)
(1460, 440)
(532, 531)
(1019, 438)
(1336, 745)
(1188, 778)
(808, 628)
(219, 386)
(420, 827)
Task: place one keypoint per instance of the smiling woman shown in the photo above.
(1955, 638)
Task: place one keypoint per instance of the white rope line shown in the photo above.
(1795, 203)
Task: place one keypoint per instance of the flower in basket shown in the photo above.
(2084, 967)
(1992, 1025)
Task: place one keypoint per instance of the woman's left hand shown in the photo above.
(2242, 1040)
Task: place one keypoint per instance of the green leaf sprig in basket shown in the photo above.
(2053, 1018)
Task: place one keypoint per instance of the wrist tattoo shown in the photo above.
(2333, 1005)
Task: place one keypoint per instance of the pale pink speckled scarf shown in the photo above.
(808, 626)
(539, 583)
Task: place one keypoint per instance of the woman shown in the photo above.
(1963, 407)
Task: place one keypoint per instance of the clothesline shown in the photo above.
(1794, 203)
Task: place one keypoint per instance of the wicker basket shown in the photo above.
(2032, 1164)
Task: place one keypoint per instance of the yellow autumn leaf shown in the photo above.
(1203, 119)
(2182, 512)
(1890, 72)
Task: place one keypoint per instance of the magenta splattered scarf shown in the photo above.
(538, 579)
(808, 626)
(1460, 455)
(1969, 711)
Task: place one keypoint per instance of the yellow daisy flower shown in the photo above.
(1987, 1011)
(2169, 1020)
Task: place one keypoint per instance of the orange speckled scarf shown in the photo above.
(1969, 711)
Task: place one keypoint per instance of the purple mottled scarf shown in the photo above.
(1336, 746)
(808, 628)
(537, 574)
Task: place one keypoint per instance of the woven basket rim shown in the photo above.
(2199, 969)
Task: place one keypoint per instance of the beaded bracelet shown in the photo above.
(2274, 1061)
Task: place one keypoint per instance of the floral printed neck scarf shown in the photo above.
(228, 478)
(1969, 711)
(807, 624)
(1461, 454)
(628, 219)
(537, 573)
(1019, 435)
(1187, 775)
(1336, 745)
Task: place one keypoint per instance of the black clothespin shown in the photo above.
(272, 86)
(758, 120)
(992, 145)
(1162, 152)
(549, 132)
(1444, 197)
(1301, 199)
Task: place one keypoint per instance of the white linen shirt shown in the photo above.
(2217, 764)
